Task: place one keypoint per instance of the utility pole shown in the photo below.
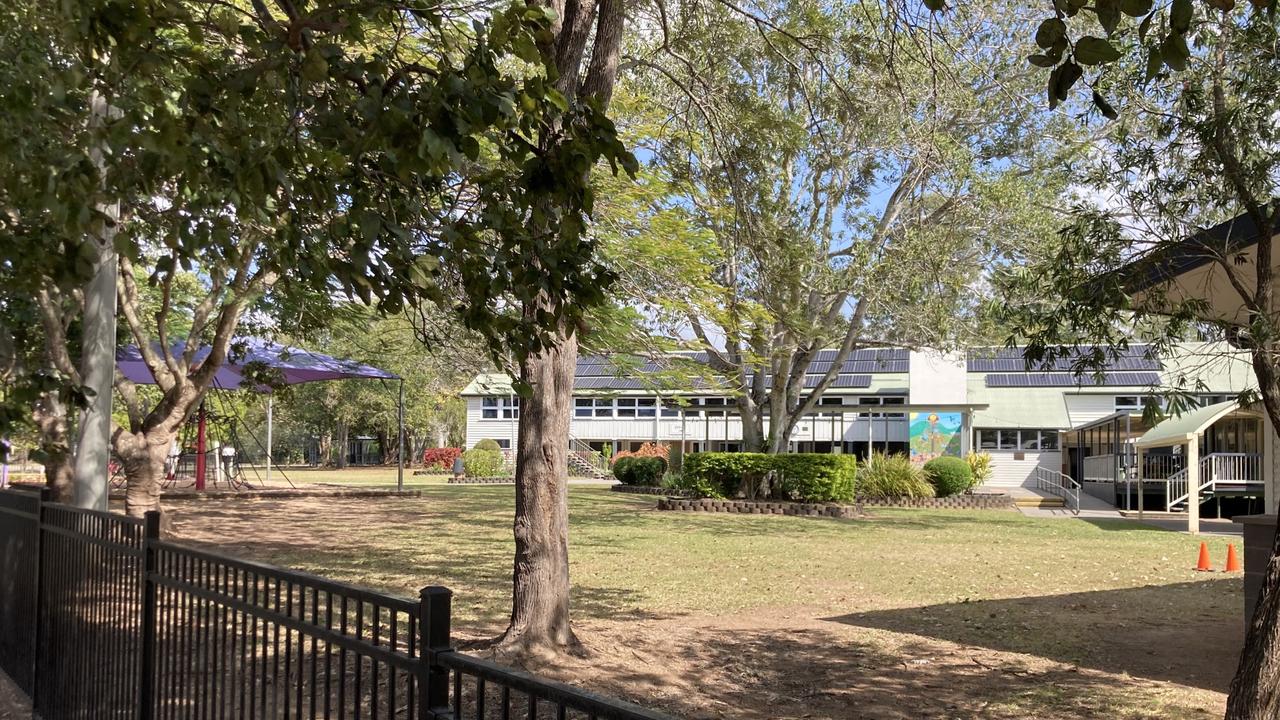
(98, 358)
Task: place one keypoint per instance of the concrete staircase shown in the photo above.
(588, 463)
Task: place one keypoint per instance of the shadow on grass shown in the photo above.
(1188, 633)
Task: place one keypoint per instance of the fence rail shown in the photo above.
(101, 618)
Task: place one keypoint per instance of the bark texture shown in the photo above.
(50, 416)
(540, 594)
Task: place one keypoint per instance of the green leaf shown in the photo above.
(1095, 51)
(1155, 61)
(1104, 107)
(936, 5)
(1135, 8)
(1043, 61)
(1061, 81)
(1175, 52)
(1180, 16)
(1050, 32)
(315, 68)
(1145, 26)
(1108, 14)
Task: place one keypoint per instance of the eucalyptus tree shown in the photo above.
(858, 182)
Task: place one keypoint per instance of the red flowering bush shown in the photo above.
(646, 450)
(441, 458)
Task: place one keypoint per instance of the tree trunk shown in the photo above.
(341, 441)
(50, 416)
(1255, 689)
(143, 456)
(540, 599)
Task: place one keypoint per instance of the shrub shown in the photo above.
(724, 471)
(697, 485)
(815, 477)
(441, 458)
(631, 470)
(488, 444)
(883, 475)
(979, 466)
(646, 471)
(621, 467)
(645, 450)
(948, 475)
(480, 462)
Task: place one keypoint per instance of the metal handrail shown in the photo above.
(589, 454)
(1059, 484)
(1234, 468)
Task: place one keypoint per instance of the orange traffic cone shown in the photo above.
(1233, 562)
(1203, 564)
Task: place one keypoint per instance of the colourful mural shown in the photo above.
(934, 434)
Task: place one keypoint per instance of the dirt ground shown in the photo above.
(1114, 640)
(13, 704)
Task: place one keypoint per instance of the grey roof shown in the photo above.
(1225, 238)
(1066, 379)
(607, 373)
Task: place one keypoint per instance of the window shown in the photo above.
(637, 407)
(714, 402)
(1041, 440)
(505, 443)
(829, 401)
(880, 400)
(1136, 403)
(582, 407)
(492, 408)
(1206, 400)
(603, 407)
(646, 407)
(670, 411)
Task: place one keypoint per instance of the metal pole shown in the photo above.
(1193, 485)
(201, 428)
(270, 400)
(98, 359)
(1142, 454)
(400, 455)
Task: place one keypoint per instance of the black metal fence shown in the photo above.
(101, 618)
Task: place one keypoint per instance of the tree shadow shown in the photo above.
(1188, 633)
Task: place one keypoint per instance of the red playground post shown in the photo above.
(200, 447)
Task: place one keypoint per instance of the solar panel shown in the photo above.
(1034, 379)
(1007, 360)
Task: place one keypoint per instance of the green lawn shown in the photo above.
(1113, 607)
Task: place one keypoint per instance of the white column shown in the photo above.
(1193, 485)
(217, 462)
(1142, 454)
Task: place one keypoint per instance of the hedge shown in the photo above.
(487, 444)
(948, 475)
(804, 477)
(441, 458)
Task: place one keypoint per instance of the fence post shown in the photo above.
(433, 638)
(147, 649)
(38, 594)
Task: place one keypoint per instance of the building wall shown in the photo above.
(1084, 408)
(1007, 471)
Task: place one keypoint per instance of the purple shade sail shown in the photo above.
(294, 365)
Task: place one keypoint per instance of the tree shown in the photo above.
(857, 184)
(1192, 145)
(266, 146)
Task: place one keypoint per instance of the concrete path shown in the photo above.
(1092, 508)
(14, 705)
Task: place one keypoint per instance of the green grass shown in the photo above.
(1114, 596)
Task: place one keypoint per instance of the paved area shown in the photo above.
(1097, 508)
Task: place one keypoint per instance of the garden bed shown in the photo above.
(649, 490)
(495, 480)
(977, 501)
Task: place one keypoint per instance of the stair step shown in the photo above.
(1039, 502)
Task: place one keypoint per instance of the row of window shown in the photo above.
(1137, 403)
(507, 408)
(989, 439)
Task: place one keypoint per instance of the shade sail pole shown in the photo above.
(270, 399)
(400, 454)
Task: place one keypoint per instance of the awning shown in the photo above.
(1187, 427)
(292, 365)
